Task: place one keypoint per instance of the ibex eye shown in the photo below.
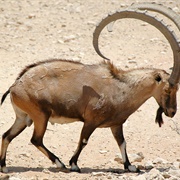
(158, 78)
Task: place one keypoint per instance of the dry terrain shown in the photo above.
(35, 30)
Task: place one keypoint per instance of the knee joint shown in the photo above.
(36, 141)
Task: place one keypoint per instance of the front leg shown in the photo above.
(117, 132)
(87, 130)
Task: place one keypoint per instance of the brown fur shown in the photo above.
(99, 95)
(40, 63)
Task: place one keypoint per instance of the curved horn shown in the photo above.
(144, 16)
(173, 16)
(168, 12)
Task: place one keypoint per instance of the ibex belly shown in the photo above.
(62, 120)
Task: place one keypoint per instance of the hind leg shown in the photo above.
(40, 126)
(18, 126)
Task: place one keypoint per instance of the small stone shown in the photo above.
(31, 16)
(69, 38)
(176, 9)
(149, 165)
(46, 171)
(123, 5)
(4, 177)
(14, 178)
(144, 24)
(131, 61)
(159, 161)
(136, 157)
(109, 176)
(176, 165)
(131, 58)
(25, 155)
(103, 151)
(166, 175)
(141, 167)
(98, 174)
(139, 177)
(91, 23)
(118, 158)
(154, 39)
(60, 41)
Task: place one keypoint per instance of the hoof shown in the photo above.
(4, 169)
(59, 164)
(132, 168)
(75, 168)
(61, 167)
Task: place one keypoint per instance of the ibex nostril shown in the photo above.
(173, 113)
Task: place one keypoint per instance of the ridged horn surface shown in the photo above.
(144, 16)
(168, 12)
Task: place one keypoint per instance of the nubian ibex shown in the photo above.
(99, 95)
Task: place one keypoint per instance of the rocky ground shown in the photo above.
(35, 30)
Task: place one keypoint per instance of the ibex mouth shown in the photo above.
(168, 112)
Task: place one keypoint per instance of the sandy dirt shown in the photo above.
(32, 31)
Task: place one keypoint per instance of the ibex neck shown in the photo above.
(137, 86)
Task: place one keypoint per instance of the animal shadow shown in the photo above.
(85, 170)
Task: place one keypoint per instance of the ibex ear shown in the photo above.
(158, 78)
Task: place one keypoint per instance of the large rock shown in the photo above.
(132, 157)
(174, 172)
(154, 174)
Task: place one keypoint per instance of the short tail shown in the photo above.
(4, 96)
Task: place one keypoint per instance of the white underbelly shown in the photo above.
(62, 120)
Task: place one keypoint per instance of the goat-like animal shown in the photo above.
(99, 95)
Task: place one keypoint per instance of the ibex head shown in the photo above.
(165, 95)
(167, 85)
